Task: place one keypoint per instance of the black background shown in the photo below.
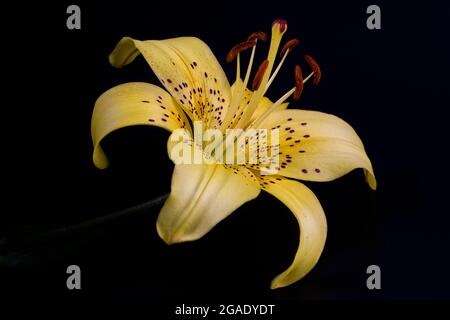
(391, 85)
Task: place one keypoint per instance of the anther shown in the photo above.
(289, 45)
(315, 68)
(259, 75)
(298, 82)
(239, 48)
(258, 35)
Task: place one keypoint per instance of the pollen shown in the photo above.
(258, 35)
(298, 82)
(239, 48)
(315, 68)
(259, 75)
(291, 44)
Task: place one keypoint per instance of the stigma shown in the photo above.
(241, 110)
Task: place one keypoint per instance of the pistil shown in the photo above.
(279, 27)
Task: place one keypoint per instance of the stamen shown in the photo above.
(247, 74)
(283, 54)
(298, 82)
(279, 27)
(259, 75)
(266, 113)
(235, 103)
(291, 44)
(308, 77)
(239, 48)
(258, 35)
(238, 68)
(315, 68)
(274, 74)
(258, 121)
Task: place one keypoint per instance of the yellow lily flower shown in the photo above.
(312, 146)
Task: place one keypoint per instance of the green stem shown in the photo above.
(17, 244)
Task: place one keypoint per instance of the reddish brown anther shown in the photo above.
(291, 44)
(298, 82)
(259, 75)
(315, 68)
(257, 35)
(239, 48)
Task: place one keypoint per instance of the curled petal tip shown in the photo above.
(124, 53)
(371, 180)
(165, 236)
(279, 282)
(274, 285)
(99, 158)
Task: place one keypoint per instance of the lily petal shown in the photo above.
(316, 146)
(129, 104)
(201, 196)
(188, 70)
(312, 222)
